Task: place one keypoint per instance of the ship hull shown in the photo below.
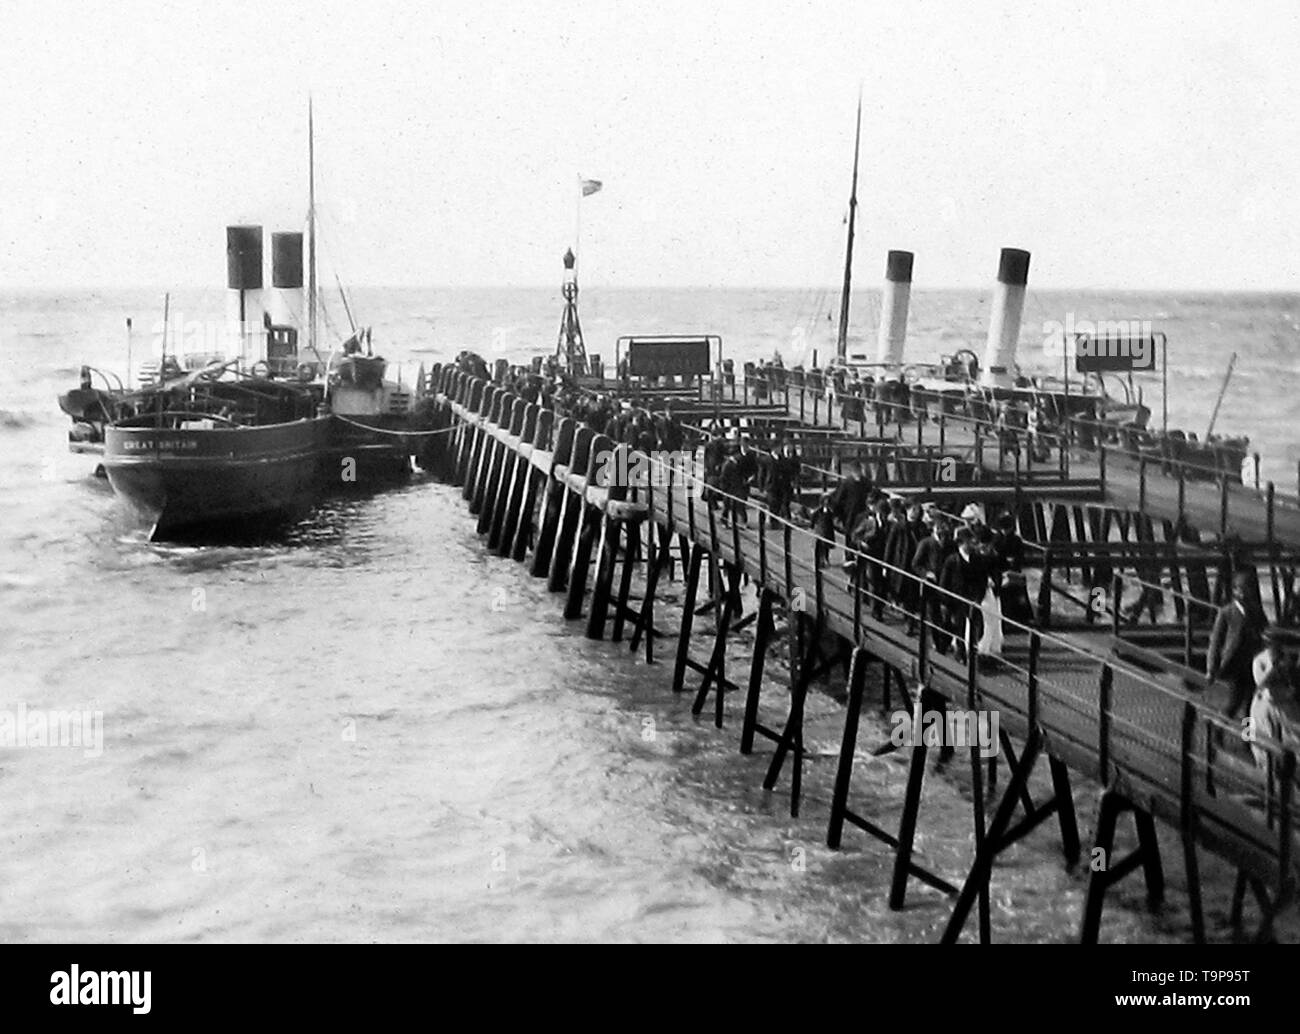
(191, 482)
(370, 450)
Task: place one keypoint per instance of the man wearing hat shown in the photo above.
(1234, 641)
(965, 576)
(927, 564)
(851, 496)
(973, 515)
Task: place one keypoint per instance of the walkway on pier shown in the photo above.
(1082, 701)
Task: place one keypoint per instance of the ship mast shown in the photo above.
(842, 341)
(311, 230)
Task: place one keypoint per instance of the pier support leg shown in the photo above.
(519, 523)
(1270, 906)
(688, 617)
(904, 867)
(999, 837)
(848, 746)
(1107, 871)
(570, 519)
(763, 632)
(715, 673)
(606, 558)
(498, 458)
(482, 465)
(585, 541)
(507, 500)
(645, 623)
(469, 459)
(552, 510)
(1002, 834)
(1192, 866)
(807, 664)
(631, 554)
(1064, 799)
(460, 452)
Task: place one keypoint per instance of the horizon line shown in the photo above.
(829, 288)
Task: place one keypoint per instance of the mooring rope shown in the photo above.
(401, 434)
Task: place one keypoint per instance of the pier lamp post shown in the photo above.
(570, 350)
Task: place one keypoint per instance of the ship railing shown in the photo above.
(111, 386)
(173, 418)
(1020, 445)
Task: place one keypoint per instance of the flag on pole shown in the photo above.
(590, 187)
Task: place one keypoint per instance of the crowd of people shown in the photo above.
(978, 569)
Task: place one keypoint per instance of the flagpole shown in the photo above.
(842, 338)
(577, 221)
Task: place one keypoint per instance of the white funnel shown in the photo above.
(894, 299)
(1004, 321)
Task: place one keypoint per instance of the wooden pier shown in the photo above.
(1078, 695)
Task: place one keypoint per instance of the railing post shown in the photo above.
(1223, 505)
(1116, 589)
(923, 646)
(1188, 731)
(789, 563)
(1035, 650)
(1045, 594)
(1103, 723)
(1284, 839)
(1270, 502)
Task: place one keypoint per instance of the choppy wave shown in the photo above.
(17, 419)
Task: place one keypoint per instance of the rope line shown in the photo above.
(384, 430)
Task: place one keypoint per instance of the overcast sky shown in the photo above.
(1124, 144)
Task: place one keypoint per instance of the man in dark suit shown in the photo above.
(850, 497)
(784, 480)
(1234, 641)
(965, 574)
(927, 564)
(734, 480)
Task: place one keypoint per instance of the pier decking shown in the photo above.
(1075, 697)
